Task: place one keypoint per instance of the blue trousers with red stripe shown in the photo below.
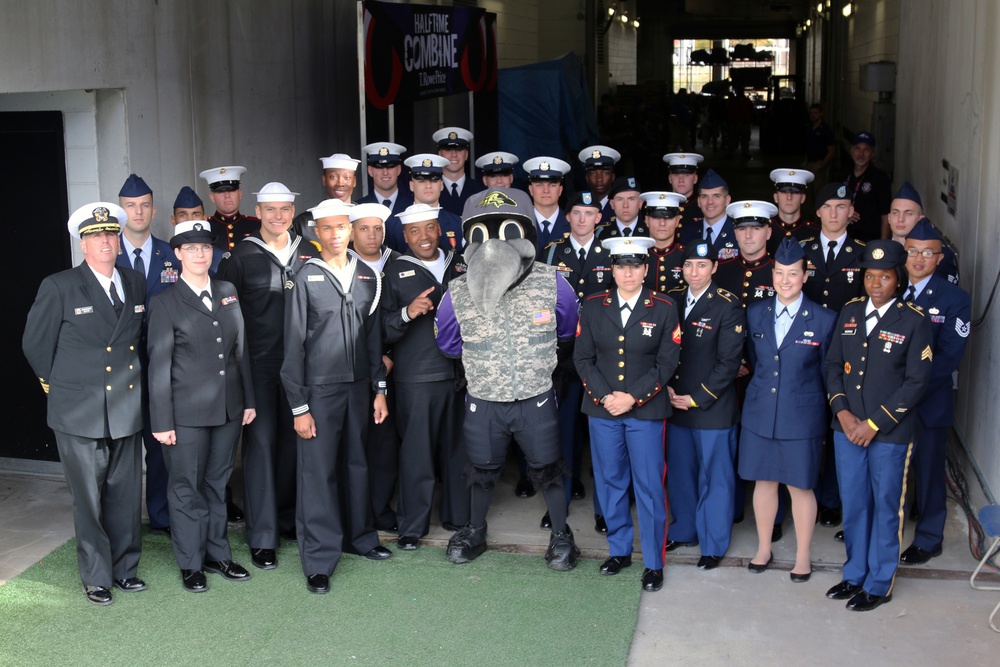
(631, 450)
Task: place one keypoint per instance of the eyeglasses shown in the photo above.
(926, 253)
(193, 249)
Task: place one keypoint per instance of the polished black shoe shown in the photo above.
(776, 533)
(290, 535)
(194, 581)
(738, 519)
(914, 514)
(799, 578)
(652, 580)
(830, 516)
(615, 564)
(264, 559)
(577, 490)
(866, 601)
(318, 583)
(467, 544)
(447, 525)
(845, 590)
(914, 555)
(408, 543)
(839, 536)
(164, 531)
(546, 522)
(758, 568)
(709, 562)
(674, 545)
(600, 525)
(562, 552)
(524, 488)
(233, 513)
(230, 570)
(130, 585)
(378, 553)
(98, 595)
(391, 528)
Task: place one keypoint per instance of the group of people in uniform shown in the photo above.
(380, 349)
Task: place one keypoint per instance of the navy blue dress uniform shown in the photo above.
(383, 155)
(629, 346)
(947, 268)
(199, 387)
(498, 163)
(229, 229)
(259, 275)
(600, 157)
(545, 169)
(948, 307)
(454, 196)
(691, 215)
(878, 376)
(666, 264)
(333, 361)
(426, 166)
(615, 228)
(701, 449)
(428, 397)
(795, 181)
(82, 342)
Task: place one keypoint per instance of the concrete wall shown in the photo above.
(872, 35)
(621, 54)
(949, 88)
(517, 30)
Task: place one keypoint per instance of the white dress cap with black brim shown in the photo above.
(96, 217)
(223, 179)
(628, 250)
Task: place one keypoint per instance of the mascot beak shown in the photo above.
(497, 267)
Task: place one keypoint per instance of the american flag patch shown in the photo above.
(542, 317)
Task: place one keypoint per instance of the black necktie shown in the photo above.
(583, 256)
(545, 229)
(627, 231)
(116, 300)
(454, 189)
(910, 293)
(830, 256)
(139, 265)
(708, 235)
(206, 299)
(387, 203)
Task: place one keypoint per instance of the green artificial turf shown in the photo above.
(413, 609)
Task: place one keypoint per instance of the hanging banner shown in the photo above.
(417, 52)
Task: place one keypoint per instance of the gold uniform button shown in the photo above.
(130, 347)
(621, 338)
(621, 364)
(864, 344)
(621, 351)
(620, 378)
(130, 386)
(107, 368)
(663, 279)
(109, 349)
(862, 358)
(108, 387)
(858, 387)
(131, 367)
(749, 273)
(861, 372)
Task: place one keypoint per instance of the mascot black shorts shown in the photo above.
(533, 423)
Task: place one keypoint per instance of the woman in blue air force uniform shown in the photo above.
(784, 413)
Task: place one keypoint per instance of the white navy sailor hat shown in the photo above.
(275, 191)
(384, 154)
(628, 250)
(419, 213)
(497, 162)
(340, 161)
(96, 217)
(369, 210)
(683, 163)
(662, 204)
(545, 168)
(791, 180)
(329, 208)
(452, 137)
(750, 213)
(223, 179)
(426, 164)
(192, 231)
(599, 157)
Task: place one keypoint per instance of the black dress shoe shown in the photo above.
(264, 559)
(831, 516)
(447, 525)
(799, 578)
(845, 590)
(98, 595)
(914, 513)
(577, 489)
(709, 562)
(233, 513)
(738, 519)
(562, 552)
(546, 522)
(378, 553)
(866, 601)
(467, 544)
(289, 535)
(758, 568)
(652, 580)
(917, 556)
(839, 536)
(674, 545)
(524, 488)
(615, 564)
(776, 533)
(228, 569)
(130, 585)
(600, 525)
(194, 581)
(164, 531)
(318, 583)
(408, 543)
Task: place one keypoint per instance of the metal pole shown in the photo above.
(362, 111)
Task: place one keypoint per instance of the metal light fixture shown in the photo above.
(611, 11)
(847, 10)
(635, 24)
(624, 19)
(819, 8)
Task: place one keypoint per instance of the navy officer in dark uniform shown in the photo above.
(453, 145)
(427, 186)
(497, 169)
(599, 171)
(877, 370)
(82, 340)
(665, 270)
(385, 160)
(545, 185)
(683, 176)
(225, 190)
(790, 189)
(627, 348)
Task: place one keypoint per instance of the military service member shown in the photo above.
(683, 175)
(663, 216)
(545, 185)
(339, 177)
(427, 185)
(453, 145)
(717, 228)
(498, 169)
(599, 170)
(905, 212)
(790, 189)
(225, 190)
(385, 161)
(627, 205)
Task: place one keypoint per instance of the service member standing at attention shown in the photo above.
(784, 411)
(627, 348)
(339, 177)
(189, 206)
(81, 339)
(701, 454)
(427, 184)
(225, 190)
(627, 205)
(453, 145)
(683, 176)
(200, 394)
(368, 235)
(498, 169)
(663, 216)
(333, 361)
(790, 189)
(717, 228)
(385, 161)
(749, 274)
(545, 185)
(905, 212)
(429, 405)
(155, 260)
(948, 307)
(259, 267)
(599, 171)
(877, 370)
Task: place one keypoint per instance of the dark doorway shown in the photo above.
(33, 180)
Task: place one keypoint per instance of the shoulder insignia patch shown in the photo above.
(915, 308)
(962, 328)
(728, 296)
(927, 354)
(856, 299)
